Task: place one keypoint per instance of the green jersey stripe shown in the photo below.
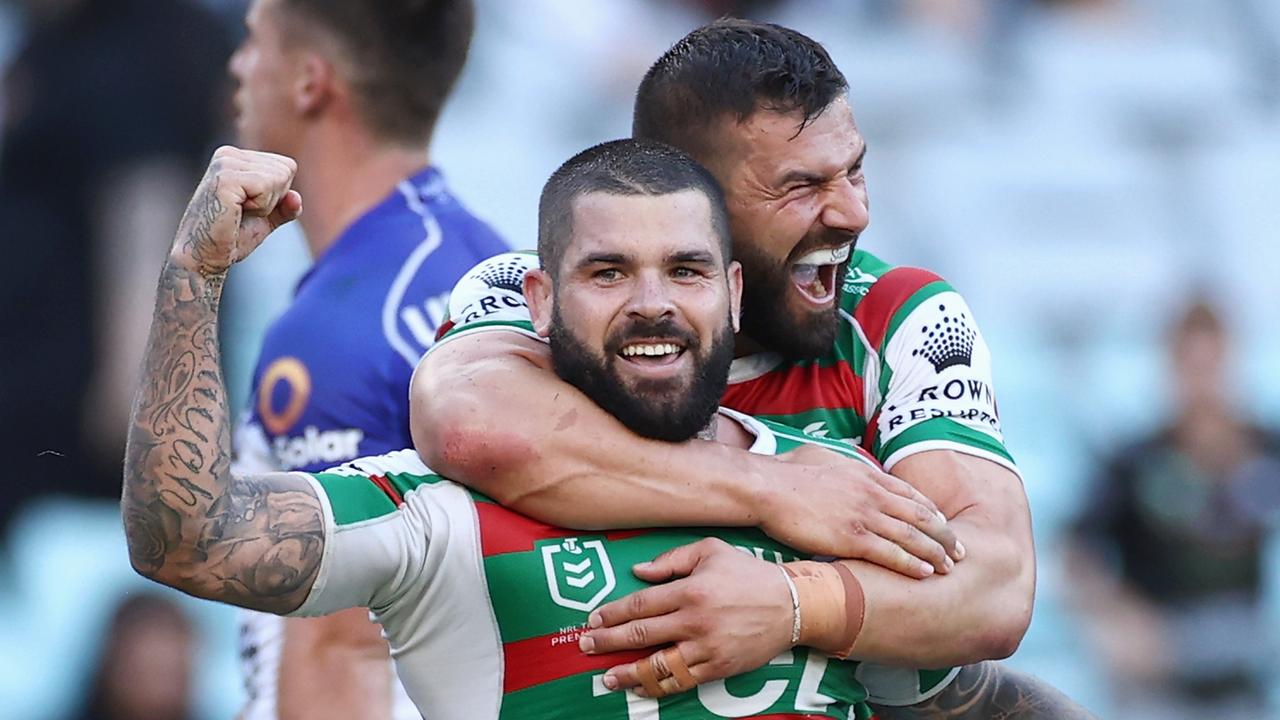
(354, 498)
(526, 608)
(944, 430)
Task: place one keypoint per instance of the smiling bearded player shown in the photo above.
(835, 343)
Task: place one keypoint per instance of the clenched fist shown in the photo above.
(243, 196)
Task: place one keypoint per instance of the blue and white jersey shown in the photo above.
(332, 379)
(331, 383)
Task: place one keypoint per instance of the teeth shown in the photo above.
(826, 256)
(651, 350)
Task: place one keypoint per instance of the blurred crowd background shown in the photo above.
(1100, 178)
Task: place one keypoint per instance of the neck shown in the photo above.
(744, 346)
(342, 174)
(727, 431)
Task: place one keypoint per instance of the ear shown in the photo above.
(734, 275)
(539, 293)
(314, 85)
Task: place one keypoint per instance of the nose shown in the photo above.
(846, 208)
(650, 297)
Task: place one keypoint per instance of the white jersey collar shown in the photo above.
(751, 367)
(766, 442)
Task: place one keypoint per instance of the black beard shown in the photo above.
(656, 409)
(766, 317)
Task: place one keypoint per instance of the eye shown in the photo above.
(685, 273)
(607, 274)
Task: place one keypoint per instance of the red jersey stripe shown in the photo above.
(537, 660)
(886, 295)
(797, 389)
(504, 531)
(387, 489)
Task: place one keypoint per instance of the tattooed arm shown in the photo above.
(254, 542)
(990, 691)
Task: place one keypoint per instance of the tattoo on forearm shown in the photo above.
(189, 523)
(990, 691)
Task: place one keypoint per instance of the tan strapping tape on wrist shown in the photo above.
(832, 605)
(855, 608)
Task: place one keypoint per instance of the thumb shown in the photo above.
(287, 210)
(674, 563)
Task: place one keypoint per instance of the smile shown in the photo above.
(653, 358)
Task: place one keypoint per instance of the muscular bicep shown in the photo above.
(959, 483)
(259, 545)
(472, 402)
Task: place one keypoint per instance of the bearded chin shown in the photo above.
(768, 320)
(668, 410)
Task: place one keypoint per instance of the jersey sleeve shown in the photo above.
(490, 298)
(930, 371)
(376, 544)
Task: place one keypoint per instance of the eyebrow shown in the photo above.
(691, 256)
(603, 259)
(805, 177)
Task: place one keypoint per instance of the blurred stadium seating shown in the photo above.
(1075, 176)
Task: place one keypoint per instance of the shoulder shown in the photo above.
(878, 296)
(491, 295)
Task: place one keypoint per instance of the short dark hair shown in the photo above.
(405, 56)
(621, 167)
(733, 67)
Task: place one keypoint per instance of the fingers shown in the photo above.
(668, 671)
(257, 181)
(919, 532)
(287, 210)
(890, 555)
(922, 513)
(678, 562)
(632, 621)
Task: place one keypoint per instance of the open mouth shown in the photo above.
(814, 274)
(652, 354)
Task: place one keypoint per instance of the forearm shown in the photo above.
(334, 667)
(990, 690)
(551, 453)
(978, 611)
(177, 462)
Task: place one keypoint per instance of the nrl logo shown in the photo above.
(579, 574)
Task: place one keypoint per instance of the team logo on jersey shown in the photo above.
(508, 275)
(493, 290)
(283, 393)
(947, 342)
(858, 281)
(579, 574)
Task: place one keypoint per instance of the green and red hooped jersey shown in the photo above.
(483, 606)
(909, 371)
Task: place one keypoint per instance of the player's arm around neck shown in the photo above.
(254, 542)
(487, 411)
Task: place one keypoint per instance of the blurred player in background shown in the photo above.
(1169, 550)
(834, 342)
(145, 667)
(353, 92)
